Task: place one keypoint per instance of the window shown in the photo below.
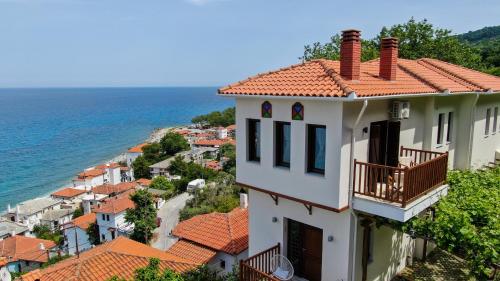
(440, 128)
(495, 119)
(107, 217)
(450, 127)
(103, 217)
(253, 140)
(103, 237)
(297, 111)
(112, 235)
(316, 143)
(222, 264)
(267, 110)
(487, 124)
(282, 143)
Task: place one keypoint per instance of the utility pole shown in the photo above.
(76, 242)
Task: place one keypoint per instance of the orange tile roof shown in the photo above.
(3, 261)
(137, 148)
(92, 173)
(143, 182)
(213, 164)
(226, 232)
(231, 127)
(192, 251)
(115, 205)
(25, 248)
(203, 142)
(116, 189)
(105, 166)
(321, 78)
(83, 222)
(68, 192)
(120, 257)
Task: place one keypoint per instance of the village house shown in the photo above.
(69, 195)
(91, 201)
(213, 165)
(133, 153)
(112, 173)
(29, 213)
(89, 178)
(221, 133)
(161, 168)
(55, 218)
(219, 240)
(111, 217)
(120, 257)
(326, 147)
(231, 131)
(26, 253)
(126, 174)
(158, 197)
(9, 228)
(75, 234)
(144, 183)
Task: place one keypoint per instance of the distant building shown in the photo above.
(69, 194)
(221, 133)
(113, 190)
(75, 232)
(91, 201)
(219, 240)
(134, 152)
(55, 218)
(213, 165)
(26, 253)
(89, 178)
(158, 196)
(10, 228)
(121, 258)
(143, 182)
(111, 218)
(112, 173)
(231, 131)
(29, 213)
(161, 168)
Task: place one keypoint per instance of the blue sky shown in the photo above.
(73, 43)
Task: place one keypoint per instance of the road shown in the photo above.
(169, 214)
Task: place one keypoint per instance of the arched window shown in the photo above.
(267, 110)
(297, 111)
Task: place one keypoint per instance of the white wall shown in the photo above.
(295, 181)
(484, 146)
(230, 260)
(265, 234)
(115, 220)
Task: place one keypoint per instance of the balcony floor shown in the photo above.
(393, 210)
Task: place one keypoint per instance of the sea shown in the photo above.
(48, 135)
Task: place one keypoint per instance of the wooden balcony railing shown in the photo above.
(258, 267)
(400, 184)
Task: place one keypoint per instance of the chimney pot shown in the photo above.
(388, 58)
(243, 200)
(350, 54)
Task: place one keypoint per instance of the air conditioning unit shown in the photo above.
(400, 110)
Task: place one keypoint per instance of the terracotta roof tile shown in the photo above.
(320, 78)
(82, 222)
(114, 189)
(143, 182)
(25, 248)
(120, 257)
(137, 148)
(3, 261)
(68, 192)
(116, 205)
(192, 251)
(226, 232)
(92, 173)
(106, 166)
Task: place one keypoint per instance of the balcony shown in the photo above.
(404, 191)
(258, 267)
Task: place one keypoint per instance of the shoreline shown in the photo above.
(154, 136)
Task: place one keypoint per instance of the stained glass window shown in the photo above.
(267, 110)
(297, 111)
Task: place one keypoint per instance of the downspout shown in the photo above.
(354, 217)
(471, 133)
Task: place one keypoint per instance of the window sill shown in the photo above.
(282, 168)
(315, 174)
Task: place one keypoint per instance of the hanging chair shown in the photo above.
(281, 268)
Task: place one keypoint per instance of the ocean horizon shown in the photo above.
(48, 135)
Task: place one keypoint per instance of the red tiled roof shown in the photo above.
(25, 248)
(137, 148)
(68, 192)
(84, 221)
(92, 173)
(143, 182)
(105, 166)
(321, 78)
(192, 251)
(115, 205)
(213, 142)
(3, 262)
(120, 257)
(226, 232)
(231, 127)
(116, 189)
(213, 164)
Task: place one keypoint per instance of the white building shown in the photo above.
(89, 178)
(75, 233)
(91, 201)
(161, 168)
(55, 218)
(29, 213)
(112, 173)
(340, 143)
(221, 133)
(69, 195)
(111, 218)
(10, 228)
(134, 152)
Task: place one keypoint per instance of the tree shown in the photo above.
(173, 143)
(93, 233)
(228, 151)
(161, 183)
(143, 216)
(141, 168)
(217, 118)
(78, 212)
(416, 40)
(44, 232)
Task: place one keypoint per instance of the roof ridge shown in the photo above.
(431, 62)
(231, 240)
(337, 79)
(262, 74)
(421, 78)
(446, 74)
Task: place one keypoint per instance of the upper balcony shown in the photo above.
(401, 192)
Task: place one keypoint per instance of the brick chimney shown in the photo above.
(388, 58)
(350, 54)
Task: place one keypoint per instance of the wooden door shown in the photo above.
(312, 253)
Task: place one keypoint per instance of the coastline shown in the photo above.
(154, 136)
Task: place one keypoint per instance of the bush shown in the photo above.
(217, 118)
(161, 183)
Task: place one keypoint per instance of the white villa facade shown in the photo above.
(110, 219)
(325, 147)
(30, 213)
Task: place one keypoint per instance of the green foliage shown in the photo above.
(417, 39)
(54, 260)
(93, 233)
(467, 221)
(217, 118)
(223, 197)
(161, 183)
(483, 34)
(78, 212)
(173, 143)
(141, 168)
(188, 171)
(229, 152)
(203, 273)
(143, 216)
(44, 232)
